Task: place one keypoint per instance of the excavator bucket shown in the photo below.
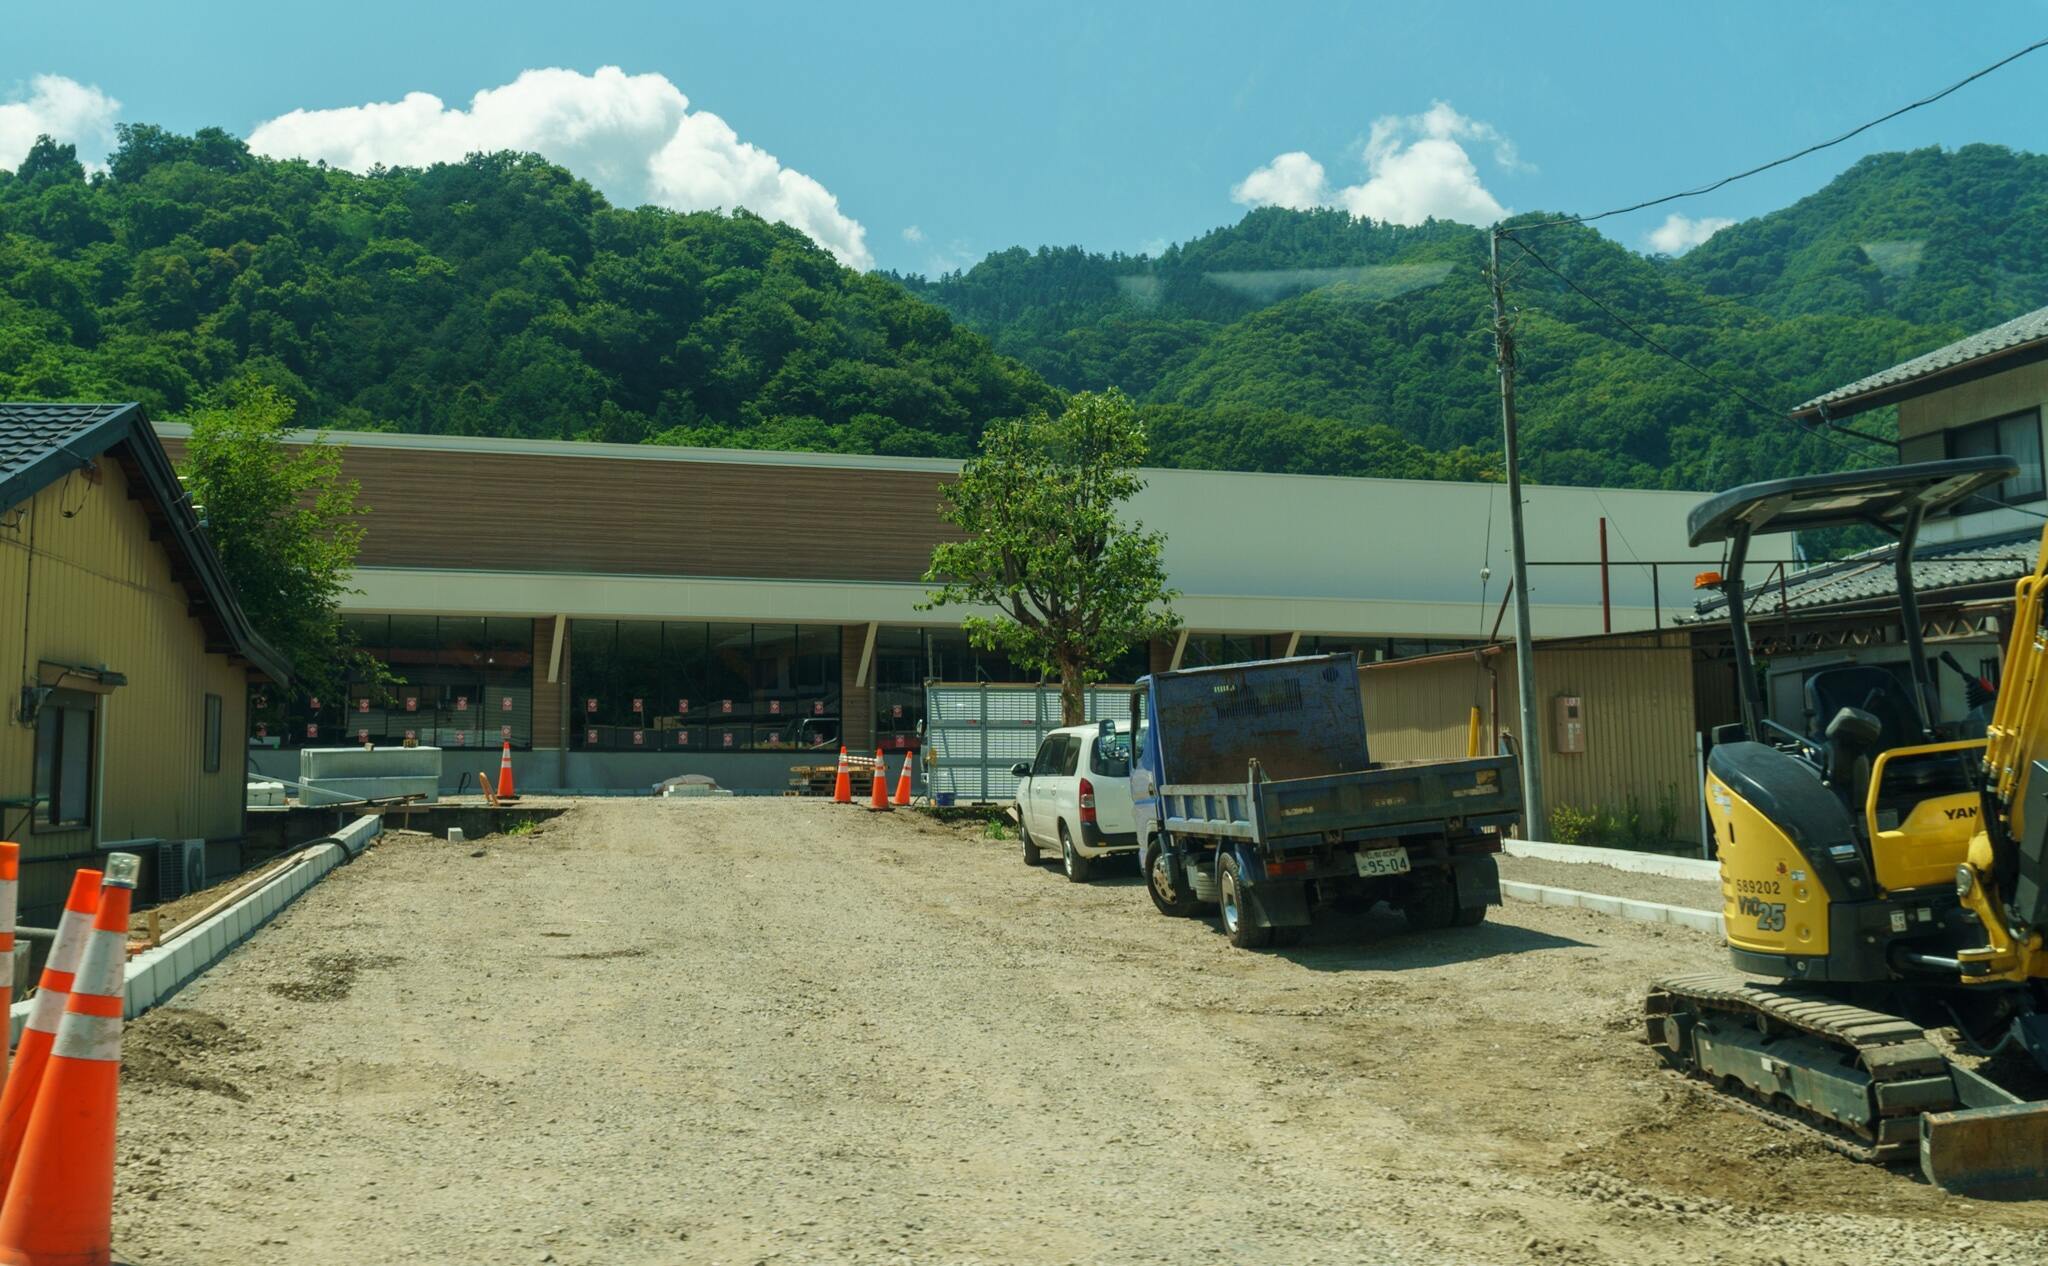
(1998, 1153)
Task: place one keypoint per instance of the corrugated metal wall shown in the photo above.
(1637, 695)
(101, 592)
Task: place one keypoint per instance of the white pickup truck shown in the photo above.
(1076, 796)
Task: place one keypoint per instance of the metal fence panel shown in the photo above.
(974, 732)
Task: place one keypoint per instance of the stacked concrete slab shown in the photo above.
(337, 775)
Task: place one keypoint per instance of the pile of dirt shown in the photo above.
(333, 977)
(170, 1045)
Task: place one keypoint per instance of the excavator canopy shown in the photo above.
(1883, 497)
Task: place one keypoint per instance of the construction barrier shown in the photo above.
(46, 1012)
(903, 783)
(59, 1206)
(506, 789)
(10, 891)
(878, 798)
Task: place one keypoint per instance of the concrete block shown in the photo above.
(1708, 921)
(455, 835)
(265, 795)
(1619, 859)
(332, 775)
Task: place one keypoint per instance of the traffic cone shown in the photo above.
(505, 788)
(10, 891)
(52, 992)
(842, 784)
(903, 783)
(60, 1203)
(878, 796)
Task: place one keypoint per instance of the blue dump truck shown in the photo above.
(1255, 793)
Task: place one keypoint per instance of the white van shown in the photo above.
(1076, 796)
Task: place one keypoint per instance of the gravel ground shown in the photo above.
(778, 1030)
(1609, 882)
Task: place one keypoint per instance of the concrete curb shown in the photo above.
(159, 973)
(1619, 907)
(1619, 859)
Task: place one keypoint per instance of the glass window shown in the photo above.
(209, 742)
(1070, 755)
(729, 685)
(467, 682)
(1048, 756)
(64, 760)
(1138, 726)
(2016, 435)
(1112, 756)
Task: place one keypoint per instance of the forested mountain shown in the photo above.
(498, 296)
(503, 296)
(1354, 327)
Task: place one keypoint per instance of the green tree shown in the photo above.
(1077, 586)
(287, 528)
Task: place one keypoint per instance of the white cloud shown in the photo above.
(60, 108)
(1679, 234)
(633, 136)
(913, 234)
(1417, 168)
(1293, 180)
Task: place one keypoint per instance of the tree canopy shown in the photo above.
(1077, 586)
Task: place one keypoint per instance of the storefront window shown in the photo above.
(467, 683)
(643, 685)
(905, 658)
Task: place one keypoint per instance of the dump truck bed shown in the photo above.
(1397, 800)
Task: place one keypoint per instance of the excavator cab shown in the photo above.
(1878, 858)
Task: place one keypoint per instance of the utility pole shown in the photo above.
(1533, 825)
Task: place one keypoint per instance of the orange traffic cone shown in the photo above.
(878, 796)
(10, 890)
(60, 1205)
(903, 783)
(505, 788)
(842, 784)
(52, 993)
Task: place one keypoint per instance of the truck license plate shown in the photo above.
(1383, 861)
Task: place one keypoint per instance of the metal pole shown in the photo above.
(1533, 825)
(1606, 597)
(1699, 763)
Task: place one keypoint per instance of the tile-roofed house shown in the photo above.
(2020, 341)
(1960, 570)
(128, 720)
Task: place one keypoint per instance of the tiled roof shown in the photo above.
(41, 443)
(34, 440)
(2029, 331)
(1870, 577)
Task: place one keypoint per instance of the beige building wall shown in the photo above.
(78, 560)
(1923, 419)
(1636, 696)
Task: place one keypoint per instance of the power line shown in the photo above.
(1777, 415)
(1811, 149)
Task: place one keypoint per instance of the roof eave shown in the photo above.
(2017, 356)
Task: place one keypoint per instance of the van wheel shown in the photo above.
(1030, 845)
(1230, 888)
(1175, 903)
(1071, 861)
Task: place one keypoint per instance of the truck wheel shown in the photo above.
(1174, 902)
(1470, 916)
(1230, 897)
(1071, 860)
(1030, 845)
(1430, 902)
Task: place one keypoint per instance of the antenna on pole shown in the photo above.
(1531, 732)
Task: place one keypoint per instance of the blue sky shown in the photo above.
(944, 131)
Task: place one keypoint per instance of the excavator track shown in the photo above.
(1856, 1080)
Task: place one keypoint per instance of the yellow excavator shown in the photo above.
(1887, 873)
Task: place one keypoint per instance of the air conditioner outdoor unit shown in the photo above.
(180, 868)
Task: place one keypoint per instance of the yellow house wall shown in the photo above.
(96, 590)
(1638, 709)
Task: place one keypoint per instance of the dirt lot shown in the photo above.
(748, 1031)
